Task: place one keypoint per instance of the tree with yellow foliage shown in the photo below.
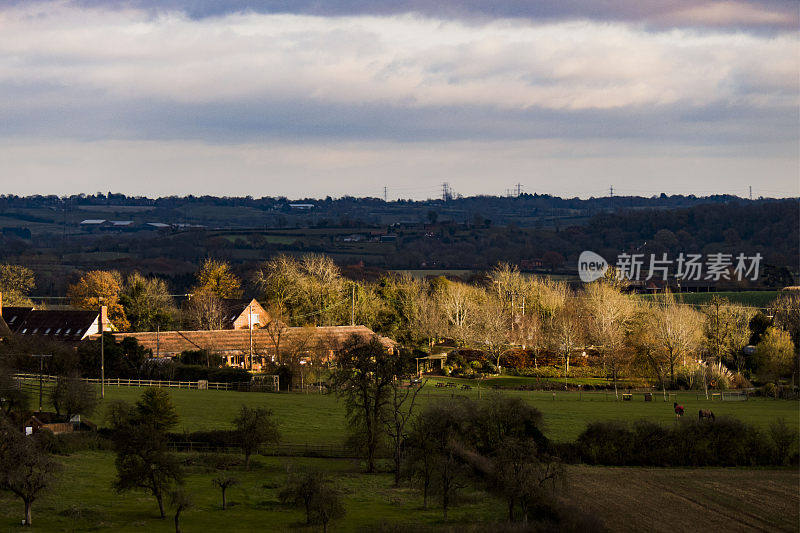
(217, 277)
(100, 287)
(16, 283)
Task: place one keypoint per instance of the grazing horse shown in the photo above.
(678, 409)
(706, 413)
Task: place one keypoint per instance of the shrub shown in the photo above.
(784, 440)
(608, 443)
(739, 381)
(724, 442)
(200, 357)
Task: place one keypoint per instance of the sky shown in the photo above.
(311, 98)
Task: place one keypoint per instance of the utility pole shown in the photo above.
(751, 192)
(385, 194)
(41, 377)
(102, 354)
(519, 190)
(250, 321)
(611, 196)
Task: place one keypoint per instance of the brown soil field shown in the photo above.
(704, 499)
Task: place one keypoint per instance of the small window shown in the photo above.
(57, 331)
(67, 332)
(47, 331)
(78, 331)
(34, 330)
(13, 318)
(24, 330)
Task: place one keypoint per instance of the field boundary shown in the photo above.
(122, 382)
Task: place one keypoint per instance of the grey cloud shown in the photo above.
(737, 14)
(254, 120)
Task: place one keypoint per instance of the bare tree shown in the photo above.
(401, 407)
(363, 378)
(204, 311)
(254, 427)
(608, 315)
(71, 396)
(566, 334)
(25, 469)
(494, 327)
(459, 304)
(180, 500)
(677, 332)
(224, 482)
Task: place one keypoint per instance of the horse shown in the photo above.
(678, 409)
(707, 414)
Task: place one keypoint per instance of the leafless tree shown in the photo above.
(677, 332)
(25, 469)
(402, 399)
(608, 315)
(204, 311)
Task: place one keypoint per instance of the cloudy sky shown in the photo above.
(333, 97)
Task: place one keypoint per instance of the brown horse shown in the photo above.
(707, 414)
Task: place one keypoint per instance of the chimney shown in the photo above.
(103, 318)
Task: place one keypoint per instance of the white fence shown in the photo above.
(120, 382)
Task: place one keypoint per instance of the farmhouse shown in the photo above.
(241, 313)
(64, 325)
(240, 346)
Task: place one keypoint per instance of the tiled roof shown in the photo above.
(232, 341)
(234, 308)
(56, 324)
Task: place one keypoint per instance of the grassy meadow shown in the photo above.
(625, 499)
(314, 418)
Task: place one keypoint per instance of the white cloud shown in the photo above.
(403, 60)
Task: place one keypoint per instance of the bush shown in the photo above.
(200, 357)
(215, 438)
(739, 381)
(769, 390)
(174, 371)
(724, 442)
(558, 372)
(784, 440)
(68, 443)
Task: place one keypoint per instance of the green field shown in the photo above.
(626, 499)
(315, 418)
(762, 299)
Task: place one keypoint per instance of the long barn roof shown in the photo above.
(237, 341)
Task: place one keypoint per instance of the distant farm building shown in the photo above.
(264, 344)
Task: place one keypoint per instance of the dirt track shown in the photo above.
(670, 500)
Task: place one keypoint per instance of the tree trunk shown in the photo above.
(28, 517)
(614, 377)
(247, 460)
(397, 460)
(672, 374)
(177, 521)
(223, 498)
(160, 501)
(511, 509)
